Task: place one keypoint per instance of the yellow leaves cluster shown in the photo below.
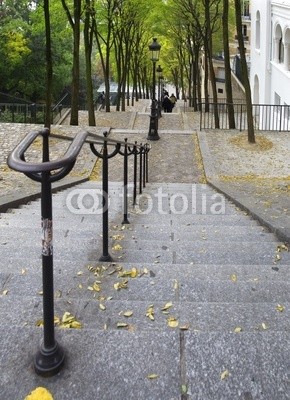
(117, 247)
(121, 285)
(66, 321)
(40, 393)
(150, 312)
(133, 273)
(95, 287)
(262, 143)
(279, 250)
(118, 237)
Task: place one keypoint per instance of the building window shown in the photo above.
(281, 51)
(245, 31)
(258, 30)
(246, 8)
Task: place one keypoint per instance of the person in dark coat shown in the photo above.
(167, 105)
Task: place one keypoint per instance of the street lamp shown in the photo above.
(160, 77)
(154, 47)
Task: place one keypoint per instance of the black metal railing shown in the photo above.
(58, 109)
(50, 357)
(22, 113)
(188, 103)
(267, 117)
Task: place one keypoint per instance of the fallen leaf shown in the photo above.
(121, 285)
(96, 287)
(238, 329)
(128, 314)
(172, 322)
(121, 325)
(80, 273)
(184, 389)
(152, 376)
(40, 393)
(234, 278)
(184, 327)
(264, 326)
(75, 325)
(118, 237)
(69, 321)
(150, 312)
(117, 247)
(167, 306)
(5, 292)
(133, 273)
(280, 308)
(102, 307)
(225, 374)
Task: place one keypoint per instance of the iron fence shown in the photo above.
(266, 117)
(22, 113)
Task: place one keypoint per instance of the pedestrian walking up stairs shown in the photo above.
(195, 304)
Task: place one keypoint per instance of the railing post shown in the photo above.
(50, 358)
(144, 165)
(135, 174)
(105, 193)
(140, 168)
(125, 191)
(146, 161)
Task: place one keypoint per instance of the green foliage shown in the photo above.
(178, 25)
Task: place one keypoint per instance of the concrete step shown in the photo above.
(165, 254)
(104, 315)
(217, 283)
(152, 219)
(183, 362)
(67, 268)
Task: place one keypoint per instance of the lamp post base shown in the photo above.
(106, 258)
(153, 127)
(49, 362)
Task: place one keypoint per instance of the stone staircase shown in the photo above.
(195, 305)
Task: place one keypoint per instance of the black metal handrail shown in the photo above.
(50, 357)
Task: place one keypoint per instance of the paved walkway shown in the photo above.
(257, 177)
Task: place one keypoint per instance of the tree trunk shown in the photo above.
(208, 46)
(74, 117)
(228, 73)
(245, 78)
(88, 54)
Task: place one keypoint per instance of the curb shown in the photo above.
(235, 197)
(9, 202)
(283, 235)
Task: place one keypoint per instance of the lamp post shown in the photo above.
(154, 47)
(159, 72)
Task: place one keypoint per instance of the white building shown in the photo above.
(270, 52)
